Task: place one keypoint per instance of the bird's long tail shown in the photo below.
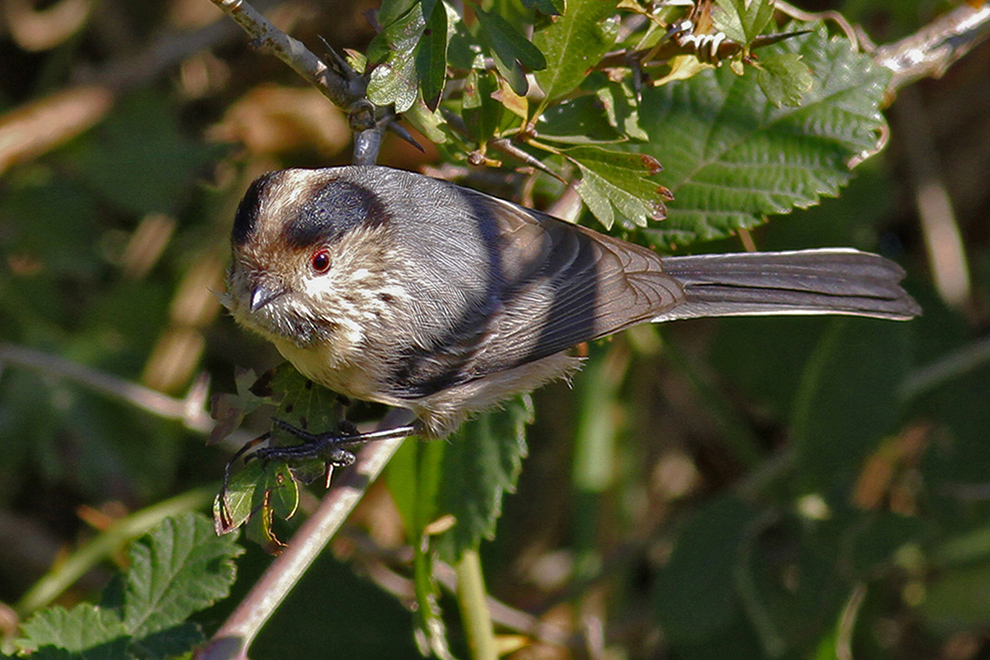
(828, 281)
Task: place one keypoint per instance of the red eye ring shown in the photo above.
(320, 261)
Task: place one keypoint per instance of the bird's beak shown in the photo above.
(263, 294)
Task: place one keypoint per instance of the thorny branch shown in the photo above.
(341, 84)
(338, 82)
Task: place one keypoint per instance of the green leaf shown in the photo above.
(431, 58)
(574, 43)
(259, 492)
(618, 179)
(395, 79)
(480, 464)
(730, 157)
(181, 567)
(583, 120)
(622, 109)
(233, 505)
(413, 479)
(392, 10)
(430, 123)
(546, 7)
(85, 629)
(508, 43)
(482, 114)
(784, 79)
(743, 20)
(512, 51)
(170, 643)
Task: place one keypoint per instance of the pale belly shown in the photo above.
(352, 378)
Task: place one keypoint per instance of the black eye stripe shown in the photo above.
(333, 210)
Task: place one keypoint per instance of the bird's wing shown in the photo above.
(564, 284)
(540, 286)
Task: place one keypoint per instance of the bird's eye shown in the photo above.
(320, 261)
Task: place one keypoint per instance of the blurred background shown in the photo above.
(741, 488)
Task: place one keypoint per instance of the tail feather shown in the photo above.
(829, 281)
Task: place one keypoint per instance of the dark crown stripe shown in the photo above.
(333, 210)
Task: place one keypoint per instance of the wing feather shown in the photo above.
(582, 285)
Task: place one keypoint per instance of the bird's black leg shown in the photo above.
(328, 447)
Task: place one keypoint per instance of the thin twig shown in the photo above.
(238, 632)
(935, 47)
(343, 88)
(191, 410)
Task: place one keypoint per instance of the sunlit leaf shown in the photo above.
(783, 78)
(621, 180)
(730, 157)
(394, 79)
(622, 109)
(233, 505)
(85, 629)
(743, 20)
(179, 568)
(574, 43)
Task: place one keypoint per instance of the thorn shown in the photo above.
(509, 149)
(767, 39)
(337, 62)
(394, 126)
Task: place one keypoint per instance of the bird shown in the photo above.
(390, 286)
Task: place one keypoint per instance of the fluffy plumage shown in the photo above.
(446, 301)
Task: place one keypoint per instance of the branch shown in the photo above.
(343, 86)
(239, 630)
(934, 48)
